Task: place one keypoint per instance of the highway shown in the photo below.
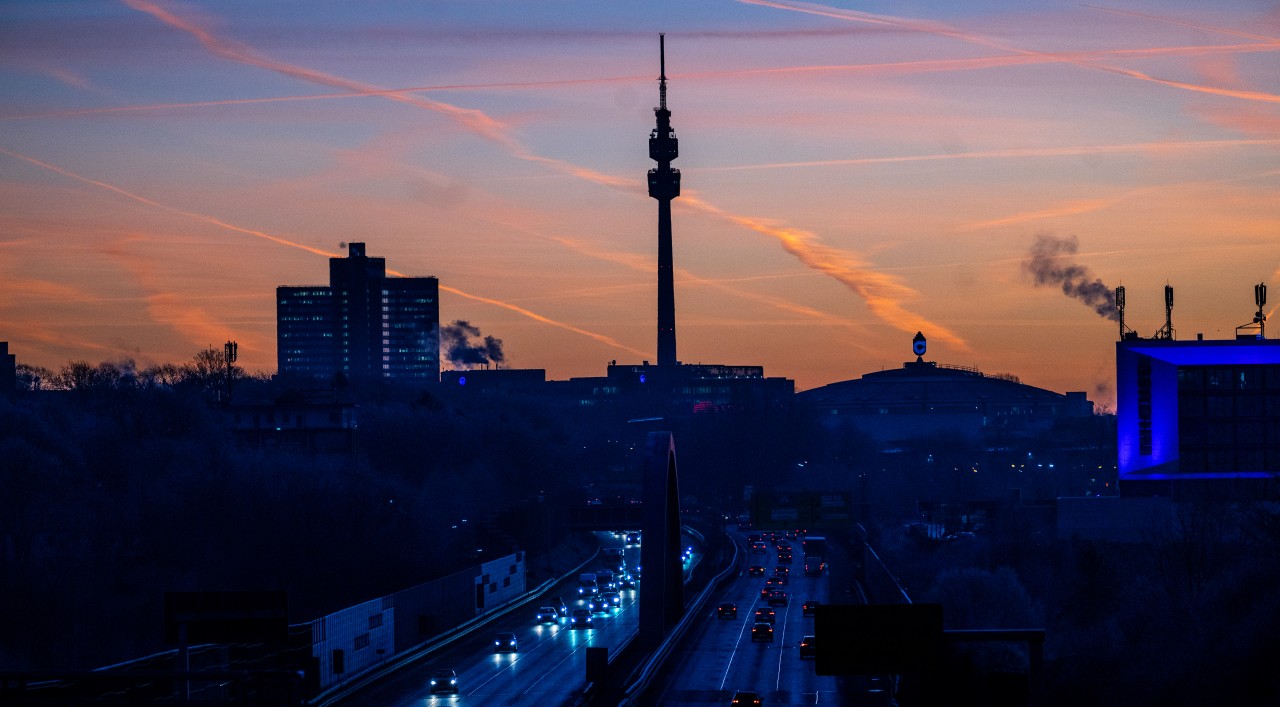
(548, 669)
(718, 656)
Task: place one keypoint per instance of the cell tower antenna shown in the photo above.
(1260, 319)
(1125, 332)
(1167, 332)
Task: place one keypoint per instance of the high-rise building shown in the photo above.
(363, 326)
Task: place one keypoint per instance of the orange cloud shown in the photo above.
(883, 293)
(179, 312)
(292, 244)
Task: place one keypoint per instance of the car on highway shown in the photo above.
(778, 597)
(750, 699)
(806, 647)
(505, 642)
(612, 600)
(445, 680)
(762, 632)
(784, 558)
(727, 610)
(628, 582)
(781, 571)
(808, 607)
(758, 548)
(766, 614)
(755, 571)
(598, 605)
(547, 615)
(606, 581)
(581, 618)
(561, 608)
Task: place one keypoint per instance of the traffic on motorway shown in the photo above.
(534, 655)
(756, 645)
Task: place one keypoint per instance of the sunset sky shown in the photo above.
(852, 173)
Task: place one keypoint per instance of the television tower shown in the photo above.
(664, 185)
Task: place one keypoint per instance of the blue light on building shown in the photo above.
(1198, 409)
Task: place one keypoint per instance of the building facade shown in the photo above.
(362, 326)
(1196, 410)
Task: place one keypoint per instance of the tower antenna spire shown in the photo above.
(662, 70)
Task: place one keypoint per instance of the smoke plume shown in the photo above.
(464, 351)
(1051, 264)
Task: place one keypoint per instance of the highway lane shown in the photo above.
(719, 657)
(549, 668)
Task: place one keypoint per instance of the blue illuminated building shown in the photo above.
(1196, 410)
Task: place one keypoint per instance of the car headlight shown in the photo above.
(453, 681)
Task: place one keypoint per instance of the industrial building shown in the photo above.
(362, 326)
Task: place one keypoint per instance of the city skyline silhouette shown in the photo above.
(850, 178)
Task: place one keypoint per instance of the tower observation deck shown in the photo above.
(664, 185)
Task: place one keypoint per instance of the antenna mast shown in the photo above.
(1125, 332)
(1167, 332)
(662, 70)
(1245, 331)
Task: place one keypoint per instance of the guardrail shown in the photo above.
(636, 686)
(377, 672)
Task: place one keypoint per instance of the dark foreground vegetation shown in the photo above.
(117, 485)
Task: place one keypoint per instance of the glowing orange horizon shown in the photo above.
(316, 251)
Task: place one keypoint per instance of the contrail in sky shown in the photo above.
(149, 202)
(945, 31)
(1011, 153)
(644, 264)
(883, 293)
(369, 93)
(921, 66)
(1186, 23)
(317, 251)
(1071, 208)
(879, 289)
